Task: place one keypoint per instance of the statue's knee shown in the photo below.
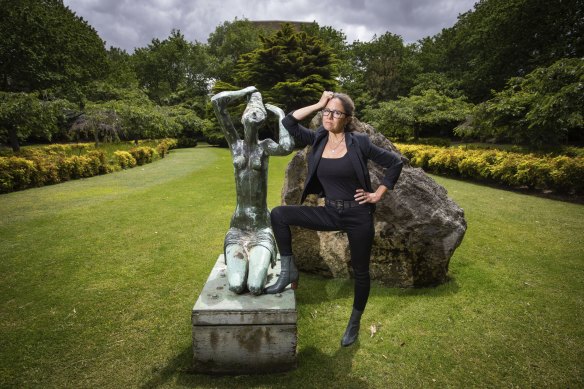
(255, 286)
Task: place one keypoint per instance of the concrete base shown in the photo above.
(243, 334)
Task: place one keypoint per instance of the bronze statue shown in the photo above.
(249, 245)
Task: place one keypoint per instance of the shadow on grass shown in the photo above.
(317, 289)
(314, 369)
(177, 365)
(314, 366)
(317, 368)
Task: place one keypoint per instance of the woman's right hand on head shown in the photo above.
(324, 99)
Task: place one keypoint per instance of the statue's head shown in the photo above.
(255, 113)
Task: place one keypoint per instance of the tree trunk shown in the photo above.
(416, 132)
(14, 140)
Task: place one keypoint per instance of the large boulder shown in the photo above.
(417, 227)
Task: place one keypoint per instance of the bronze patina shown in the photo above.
(249, 246)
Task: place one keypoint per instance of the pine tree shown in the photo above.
(291, 69)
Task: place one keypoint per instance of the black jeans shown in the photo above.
(357, 222)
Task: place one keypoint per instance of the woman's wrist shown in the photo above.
(381, 189)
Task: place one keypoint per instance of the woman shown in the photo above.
(337, 170)
(249, 244)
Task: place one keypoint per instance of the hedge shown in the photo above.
(143, 154)
(561, 174)
(124, 159)
(39, 166)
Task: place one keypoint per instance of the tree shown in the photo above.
(23, 115)
(439, 82)
(501, 39)
(349, 68)
(335, 39)
(121, 73)
(44, 45)
(291, 68)
(378, 69)
(226, 45)
(541, 109)
(429, 113)
(171, 67)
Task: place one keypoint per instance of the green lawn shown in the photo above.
(98, 278)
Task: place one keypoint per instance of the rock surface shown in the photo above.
(417, 227)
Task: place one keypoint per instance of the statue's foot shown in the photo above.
(259, 261)
(236, 269)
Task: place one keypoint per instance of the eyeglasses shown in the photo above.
(336, 114)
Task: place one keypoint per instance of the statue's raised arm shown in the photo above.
(220, 102)
(286, 142)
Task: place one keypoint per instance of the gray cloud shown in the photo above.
(129, 24)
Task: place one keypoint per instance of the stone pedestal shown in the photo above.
(243, 334)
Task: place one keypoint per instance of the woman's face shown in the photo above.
(331, 123)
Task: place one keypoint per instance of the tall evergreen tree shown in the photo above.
(291, 68)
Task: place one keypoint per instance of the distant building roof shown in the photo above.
(276, 24)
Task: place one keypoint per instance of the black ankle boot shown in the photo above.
(288, 275)
(352, 331)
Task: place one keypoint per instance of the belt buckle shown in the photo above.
(338, 204)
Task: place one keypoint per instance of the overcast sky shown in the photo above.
(129, 23)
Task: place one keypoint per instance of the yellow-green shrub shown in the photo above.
(124, 159)
(165, 145)
(38, 166)
(83, 166)
(15, 173)
(47, 171)
(561, 174)
(446, 160)
(567, 174)
(477, 164)
(143, 154)
(98, 162)
(419, 155)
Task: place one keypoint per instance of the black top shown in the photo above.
(338, 178)
(359, 148)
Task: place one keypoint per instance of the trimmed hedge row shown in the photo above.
(55, 163)
(560, 174)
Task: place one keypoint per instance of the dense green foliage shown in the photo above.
(505, 71)
(546, 107)
(290, 68)
(170, 67)
(24, 115)
(381, 70)
(429, 113)
(228, 43)
(44, 45)
(501, 39)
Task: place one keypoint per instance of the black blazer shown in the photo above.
(359, 148)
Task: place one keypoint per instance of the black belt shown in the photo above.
(342, 204)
